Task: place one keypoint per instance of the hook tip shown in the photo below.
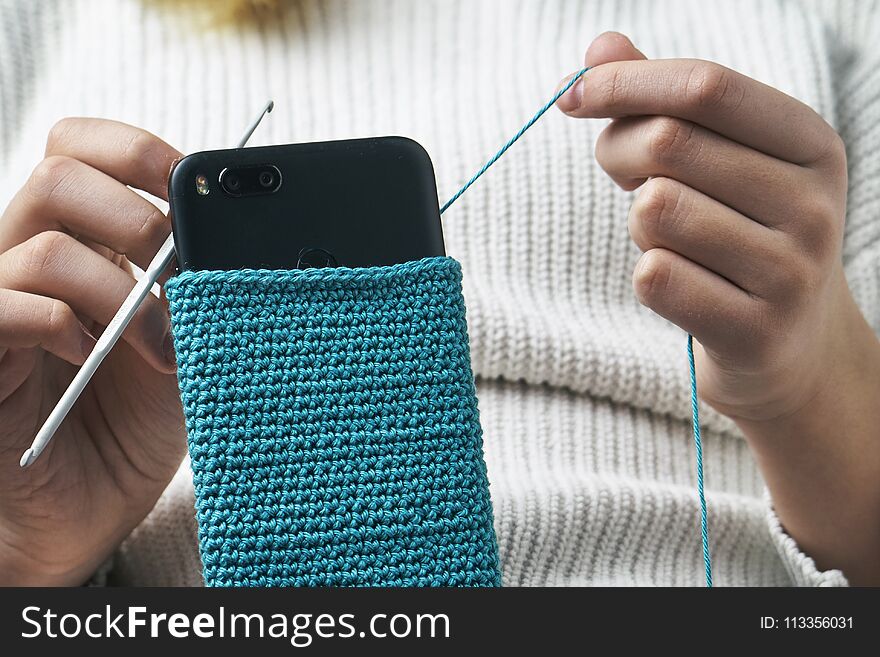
(28, 457)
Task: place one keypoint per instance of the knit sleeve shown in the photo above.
(800, 567)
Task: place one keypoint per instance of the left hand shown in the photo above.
(740, 218)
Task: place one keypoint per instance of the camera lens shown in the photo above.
(250, 180)
(267, 179)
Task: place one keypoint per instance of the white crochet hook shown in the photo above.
(114, 330)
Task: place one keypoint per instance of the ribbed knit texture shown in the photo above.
(583, 393)
(333, 427)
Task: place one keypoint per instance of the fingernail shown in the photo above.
(168, 350)
(571, 99)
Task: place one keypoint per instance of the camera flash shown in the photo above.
(202, 185)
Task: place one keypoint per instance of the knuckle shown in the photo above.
(712, 86)
(49, 176)
(651, 277)
(59, 317)
(60, 133)
(657, 209)
(793, 277)
(837, 151)
(669, 139)
(139, 147)
(609, 87)
(41, 251)
(790, 278)
(834, 152)
(604, 147)
(153, 224)
(818, 227)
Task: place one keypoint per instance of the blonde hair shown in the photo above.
(221, 12)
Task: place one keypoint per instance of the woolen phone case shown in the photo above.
(333, 427)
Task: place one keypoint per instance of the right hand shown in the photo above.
(66, 241)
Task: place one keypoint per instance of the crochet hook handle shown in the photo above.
(114, 331)
(99, 352)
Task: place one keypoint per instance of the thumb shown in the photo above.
(607, 47)
(611, 47)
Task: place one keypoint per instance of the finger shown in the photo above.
(710, 95)
(670, 215)
(611, 47)
(69, 195)
(607, 47)
(106, 252)
(56, 265)
(31, 320)
(120, 261)
(636, 148)
(716, 312)
(132, 156)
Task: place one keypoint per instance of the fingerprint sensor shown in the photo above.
(314, 258)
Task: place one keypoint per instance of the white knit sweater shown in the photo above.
(583, 393)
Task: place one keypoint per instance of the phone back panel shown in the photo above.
(366, 202)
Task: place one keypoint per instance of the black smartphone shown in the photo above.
(350, 203)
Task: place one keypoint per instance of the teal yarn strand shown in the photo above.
(698, 444)
(698, 441)
(501, 151)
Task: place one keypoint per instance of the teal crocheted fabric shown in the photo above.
(333, 427)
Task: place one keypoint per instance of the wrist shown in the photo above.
(821, 462)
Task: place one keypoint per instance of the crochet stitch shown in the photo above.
(333, 427)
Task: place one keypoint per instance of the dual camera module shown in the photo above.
(243, 181)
